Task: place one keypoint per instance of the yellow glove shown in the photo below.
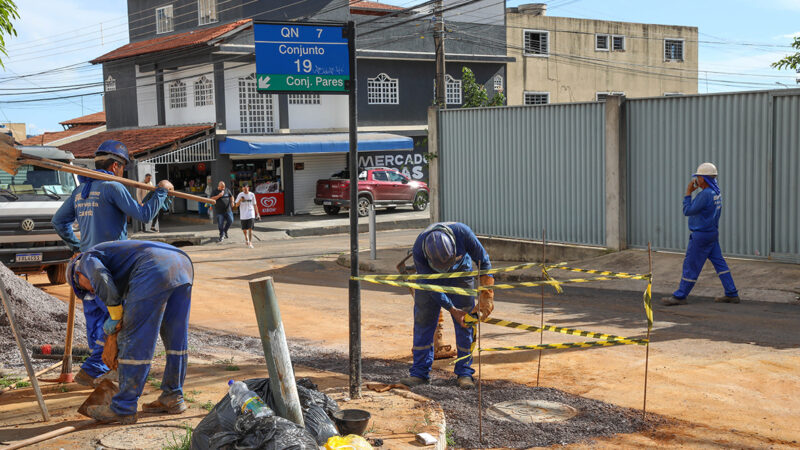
(485, 304)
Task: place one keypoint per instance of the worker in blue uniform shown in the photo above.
(447, 247)
(146, 286)
(703, 212)
(101, 209)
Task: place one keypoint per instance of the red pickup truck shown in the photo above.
(379, 186)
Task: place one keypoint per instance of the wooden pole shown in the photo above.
(38, 374)
(66, 366)
(51, 434)
(647, 347)
(541, 321)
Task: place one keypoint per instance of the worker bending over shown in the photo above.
(447, 247)
(101, 209)
(146, 287)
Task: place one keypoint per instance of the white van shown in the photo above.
(28, 201)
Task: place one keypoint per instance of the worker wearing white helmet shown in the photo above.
(703, 212)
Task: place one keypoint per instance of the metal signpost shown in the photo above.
(319, 58)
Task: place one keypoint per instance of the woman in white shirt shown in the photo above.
(247, 212)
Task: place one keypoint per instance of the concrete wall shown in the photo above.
(146, 98)
(121, 108)
(331, 113)
(233, 72)
(575, 72)
(191, 113)
(18, 130)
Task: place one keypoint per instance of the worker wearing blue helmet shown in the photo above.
(146, 287)
(101, 209)
(441, 248)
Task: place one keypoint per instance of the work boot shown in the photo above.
(84, 379)
(672, 301)
(465, 383)
(104, 414)
(726, 299)
(170, 404)
(413, 381)
(111, 375)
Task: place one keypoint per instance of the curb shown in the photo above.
(342, 229)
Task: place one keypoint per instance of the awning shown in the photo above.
(313, 143)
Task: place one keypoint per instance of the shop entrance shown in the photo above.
(265, 178)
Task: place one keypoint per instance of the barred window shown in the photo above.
(452, 90)
(164, 23)
(618, 43)
(255, 110)
(537, 42)
(177, 95)
(601, 42)
(203, 92)
(304, 99)
(382, 90)
(602, 96)
(537, 98)
(111, 84)
(673, 49)
(498, 83)
(206, 11)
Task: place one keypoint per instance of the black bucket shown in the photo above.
(351, 421)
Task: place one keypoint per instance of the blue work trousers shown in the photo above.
(224, 221)
(95, 313)
(704, 246)
(168, 313)
(426, 318)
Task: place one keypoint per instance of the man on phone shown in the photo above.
(246, 202)
(703, 212)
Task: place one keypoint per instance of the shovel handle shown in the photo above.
(50, 164)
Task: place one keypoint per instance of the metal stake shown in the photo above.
(541, 321)
(373, 241)
(480, 394)
(647, 347)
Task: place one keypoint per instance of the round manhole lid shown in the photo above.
(144, 437)
(531, 411)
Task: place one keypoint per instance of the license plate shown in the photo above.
(29, 257)
(326, 203)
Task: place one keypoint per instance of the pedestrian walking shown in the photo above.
(246, 202)
(101, 209)
(141, 194)
(703, 212)
(147, 289)
(222, 209)
(446, 248)
(209, 190)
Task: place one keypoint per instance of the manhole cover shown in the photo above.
(143, 437)
(531, 411)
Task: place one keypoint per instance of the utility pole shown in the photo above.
(438, 42)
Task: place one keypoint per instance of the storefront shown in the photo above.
(264, 176)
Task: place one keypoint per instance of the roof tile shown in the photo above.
(137, 139)
(47, 137)
(96, 118)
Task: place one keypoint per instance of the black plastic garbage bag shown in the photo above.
(317, 410)
(264, 433)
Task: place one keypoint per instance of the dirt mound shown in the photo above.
(40, 319)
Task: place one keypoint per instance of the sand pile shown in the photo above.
(40, 319)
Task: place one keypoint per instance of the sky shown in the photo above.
(56, 39)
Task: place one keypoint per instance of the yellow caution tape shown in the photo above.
(556, 285)
(572, 331)
(566, 345)
(422, 287)
(634, 276)
(439, 276)
(648, 305)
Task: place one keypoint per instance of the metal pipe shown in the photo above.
(541, 320)
(276, 350)
(373, 249)
(647, 348)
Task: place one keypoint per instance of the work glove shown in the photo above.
(111, 325)
(485, 304)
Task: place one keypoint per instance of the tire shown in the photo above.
(363, 206)
(420, 201)
(331, 210)
(57, 274)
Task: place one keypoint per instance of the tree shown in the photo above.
(8, 12)
(791, 61)
(475, 94)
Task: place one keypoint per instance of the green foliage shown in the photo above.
(475, 95)
(23, 384)
(791, 61)
(8, 381)
(450, 438)
(208, 406)
(182, 442)
(8, 13)
(153, 382)
(228, 363)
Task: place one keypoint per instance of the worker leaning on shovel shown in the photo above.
(101, 209)
(447, 247)
(147, 289)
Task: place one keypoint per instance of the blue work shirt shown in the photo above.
(125, 271)
(102, 214)
(703, 211)
(468, 247)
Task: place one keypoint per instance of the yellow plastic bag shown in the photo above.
(351, 441)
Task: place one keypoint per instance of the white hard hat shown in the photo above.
(706, 169)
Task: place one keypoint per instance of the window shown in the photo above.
(203, 92)
(382, 90)
(618, 43)
(537, 42)
(111, 84)
(379, 176)
(452, 90)
(498, 83)
(537, 98)
(255, 110)
(304, 99)
(395, 177)
(601, 96)
(673, 49)
(206, 11)
(177, 95)
(164, 19)
(673, 94)
(601, 42)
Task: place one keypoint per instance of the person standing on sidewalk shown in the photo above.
(703, 212)
(246, 202)
(222, 209)
(142, 193)
(209, 190)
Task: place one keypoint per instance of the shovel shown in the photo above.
(101, 395)
(11, 158)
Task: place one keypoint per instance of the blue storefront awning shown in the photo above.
(313, 143)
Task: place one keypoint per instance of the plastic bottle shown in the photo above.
(243, 399)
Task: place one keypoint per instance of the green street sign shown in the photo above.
(301, 83)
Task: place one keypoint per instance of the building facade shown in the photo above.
(564, 59)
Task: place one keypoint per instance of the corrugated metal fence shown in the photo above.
(514, 171)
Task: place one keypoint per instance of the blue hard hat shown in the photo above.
(439, 247)
(112, 147)
(72, 276)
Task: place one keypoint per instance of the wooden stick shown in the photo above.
(38, 374)
(51, 434)
(66, 367)
(647, 348)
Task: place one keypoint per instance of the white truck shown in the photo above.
(28, 201)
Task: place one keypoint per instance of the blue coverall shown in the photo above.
(100, 207)
(427, 304)
(153, 282)
(704, 211)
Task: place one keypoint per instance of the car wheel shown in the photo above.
(57, 274)
(363, 206)
(420, 201)
(331, 210)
